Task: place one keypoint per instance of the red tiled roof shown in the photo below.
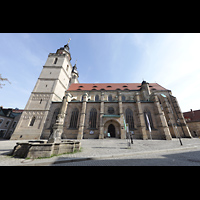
(112, 86)
(192, 115)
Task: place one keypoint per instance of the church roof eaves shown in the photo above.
(112, 86)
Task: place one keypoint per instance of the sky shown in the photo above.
(169, 59)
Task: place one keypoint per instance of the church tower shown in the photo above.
(54, 80)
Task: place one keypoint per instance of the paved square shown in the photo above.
(114, 152)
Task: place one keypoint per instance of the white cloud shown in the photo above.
(172, 60)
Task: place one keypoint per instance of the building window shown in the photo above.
(32, 121)
(93, 118)
(129, 119)
(40, 101)
(147, 113)
(110, 97)
(97, 98)
(123, 98)
(74, 118)
(111, 110)
(55, 61)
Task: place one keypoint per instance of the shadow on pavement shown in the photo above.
(176, 159)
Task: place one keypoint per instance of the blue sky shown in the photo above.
(170, 59)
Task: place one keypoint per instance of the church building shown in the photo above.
(60, 104)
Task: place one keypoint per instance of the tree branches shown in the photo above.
(3, 79)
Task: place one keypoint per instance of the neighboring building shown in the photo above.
(8, 121)
(94, 110)
(192, 119)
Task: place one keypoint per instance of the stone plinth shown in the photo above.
(38, 149)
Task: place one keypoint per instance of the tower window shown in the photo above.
(67, 67)
(56, 60)
(32, 121)
(40, 101)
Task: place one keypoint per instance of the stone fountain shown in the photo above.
(54, 146)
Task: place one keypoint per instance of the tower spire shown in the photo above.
(65, 50)
(74, 70)
(69, 41)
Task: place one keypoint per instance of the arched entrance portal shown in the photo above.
(111, 130)
(113, 127)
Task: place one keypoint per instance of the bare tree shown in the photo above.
(3, 79)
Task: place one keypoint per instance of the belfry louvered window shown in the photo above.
(93, 118)
(129, 119)
(74, 118)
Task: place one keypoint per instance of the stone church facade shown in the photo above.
(60, 104)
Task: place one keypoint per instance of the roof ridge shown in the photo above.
(161, 86)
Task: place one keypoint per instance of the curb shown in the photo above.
(104, 156)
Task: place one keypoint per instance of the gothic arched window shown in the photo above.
(74, 118)
(129, 119)
(93, 118)
(147, 113)
(32, 121)
(97, 97)
(110, 97)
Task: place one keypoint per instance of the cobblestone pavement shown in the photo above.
(114, 152)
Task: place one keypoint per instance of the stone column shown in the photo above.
(123, 132)
(163, 127)
(101, 134)
(141, 125)
(82, 118)
(55, 137)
